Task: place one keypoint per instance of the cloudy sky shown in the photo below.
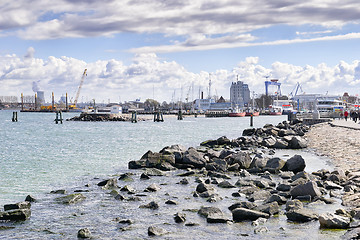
(171, 48)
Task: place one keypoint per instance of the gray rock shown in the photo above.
(271, 208)
(217, 218)
(71, 199)
(295, 164)
(60, 191)
(151, 205)
(137, 164)
(176, 150)
(261, 229)
(329, 220)
(331, 185)
(258, 162)
(128, 189)
(206, 211)
(154, 160)
(156, 231)
(194, 158)
(261, 183)
(180, 217)
(242, 158)
(233, 168)
(309, 188)
(352, 234)
(301, 215)
(144, 176)
(171, 202)
(126, 177)
(15, 215)
(276, 198)
(269, 142)
(241, 214)
(202, 187)
(108, 183)
(154, 172)
(297, 142)
(259, 195)
(218, 165)
(225, 184)
(152, 188)
(294, 205)
(84, 233)
(286, 175)
(281, 144)
(275, 163)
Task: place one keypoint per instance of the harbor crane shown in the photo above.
(78, 91)
(295, 90)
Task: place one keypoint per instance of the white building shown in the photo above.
(239, 94)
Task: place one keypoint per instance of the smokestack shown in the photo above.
(202, 95)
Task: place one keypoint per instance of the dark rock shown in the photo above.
(19, 205)
(152, 188)
(306, 198)
(248, 132)
(191, 224)
(283, 187)
(176, 150)
(241, 214)
(144, 176)
(71, 199)
(171, 202)
(329, 220)
(352, 234)
(310, 188)
(126, 177)
(125, 221)
(30, 198)
(60, 191)
(225, 184)
(119, 197)
(244, 183)
(218, 165)
(15, 215)
(276, 198)
(275, 163)
(223, 141)
(188, 173)
(295, 164)
(202, 187)
(261, 183)
(247, 205)
(281, 144)
(235, 167)
(151, 205)
(180, 217)
(84, 233)
(206, 211)
(209, 143)
(156, 231)
(137, 164)
(109, 183)
(301, 215)
(194, 158)
(331, 185)
(242, 158)
(216, 218)
(184, 181)
(297, 142)
(218, 175)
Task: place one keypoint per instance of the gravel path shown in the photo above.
(338, 143)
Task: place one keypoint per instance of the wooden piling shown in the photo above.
(14, 117)
(58, 117)
(134, 117)
(251, 120)
(180, 116)
(66, 103)
(22, 102)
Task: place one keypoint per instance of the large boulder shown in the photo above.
(19, 205)
(217, 164)
(259, 161)
(271, 208)
(275, 163)
(297, 142)
(15, 215)
(269, 142)
(301, 215)
(249, 132)
(158, 160)
(212, 215)
(295, 164)
(194, 158)
(241, 214)
(329, 220)
(307, 189)
(176, 150)
(242, 158)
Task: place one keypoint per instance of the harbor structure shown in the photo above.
(239, 94)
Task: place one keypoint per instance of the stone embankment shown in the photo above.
(234, 181)
(98, 117)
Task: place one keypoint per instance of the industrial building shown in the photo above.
(239, 94)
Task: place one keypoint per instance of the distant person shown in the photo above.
(355, 116)
(346, 114)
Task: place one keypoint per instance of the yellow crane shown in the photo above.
(73, 106)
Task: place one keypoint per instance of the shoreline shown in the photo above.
(340, 144)
(221, 174)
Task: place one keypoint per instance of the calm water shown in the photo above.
(37, 155)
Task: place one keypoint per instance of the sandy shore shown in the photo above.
(338, 143)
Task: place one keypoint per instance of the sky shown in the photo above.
(170, 50)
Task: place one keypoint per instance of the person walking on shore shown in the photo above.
(355, 116)
(346, 114)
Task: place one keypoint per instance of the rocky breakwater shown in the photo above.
(18, 211)
(266, 186)
(102, 117)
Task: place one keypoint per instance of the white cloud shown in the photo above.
(147, 76)
(220, 24)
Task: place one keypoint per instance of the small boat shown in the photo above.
(237, 114)
(275, 110)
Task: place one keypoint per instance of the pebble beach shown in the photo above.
(339, 141)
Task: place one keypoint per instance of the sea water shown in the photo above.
(37, 156)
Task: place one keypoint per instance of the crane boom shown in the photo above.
(78, 91)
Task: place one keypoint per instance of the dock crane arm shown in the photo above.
(81, 83)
